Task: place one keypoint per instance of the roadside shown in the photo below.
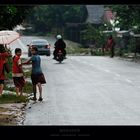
(12, 114)
(12, 108)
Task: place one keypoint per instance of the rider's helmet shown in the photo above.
(59, 37)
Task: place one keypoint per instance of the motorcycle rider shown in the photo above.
(59, 45)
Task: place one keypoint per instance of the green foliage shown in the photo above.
(9, 62)
(75, 14)
(27, 74)
(45, 18)
(27, 88)
(94, 35)
(77, 50)
(127, 15)
(6, 98)
(12, 15)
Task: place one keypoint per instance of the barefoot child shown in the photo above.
(17, 72)
(37, 75)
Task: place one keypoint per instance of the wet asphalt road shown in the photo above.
(87, 90)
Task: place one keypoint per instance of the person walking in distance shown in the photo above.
(111, 45)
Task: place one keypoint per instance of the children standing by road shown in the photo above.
(17, 72)
(37, 75)
(3, 58)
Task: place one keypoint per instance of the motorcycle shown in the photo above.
(59, 56)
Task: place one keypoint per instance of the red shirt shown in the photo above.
(16, 64)
(2, 61)
(110, 43)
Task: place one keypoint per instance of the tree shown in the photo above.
(94, 35)
(47, 17)
(12, 15)
(127, 15)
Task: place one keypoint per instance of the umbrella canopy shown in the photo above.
(7, 37)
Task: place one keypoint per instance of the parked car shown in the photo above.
(42, 45)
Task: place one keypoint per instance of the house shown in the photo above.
(97, 15)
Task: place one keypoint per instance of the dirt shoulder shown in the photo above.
(12, 114)
(12, 108)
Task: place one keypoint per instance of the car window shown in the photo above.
(40, 42)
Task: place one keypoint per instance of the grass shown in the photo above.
(9, 88)
(26, 89)
(85, 51)
(12, 98)
(27, 74)
(9, 98)
(78, 50)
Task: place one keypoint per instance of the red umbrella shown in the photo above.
(7, 37)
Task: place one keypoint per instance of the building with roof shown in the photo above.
(96, 15)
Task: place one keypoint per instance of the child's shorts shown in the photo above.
(38, 78)
(19, 82)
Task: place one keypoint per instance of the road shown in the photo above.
(87, 90)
